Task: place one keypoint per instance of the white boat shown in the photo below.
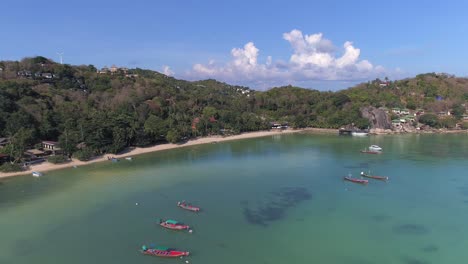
(36, 174)
(359, 133)
(128, 158)
(375, 148)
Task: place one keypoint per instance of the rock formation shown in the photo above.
(378, 119)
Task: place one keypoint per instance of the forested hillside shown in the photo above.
(91, 110)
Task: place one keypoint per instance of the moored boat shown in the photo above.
(163, 252)
(382, 178)
(36, 174)
(173, 224)
(375, 148)
(368, 151)
(355, 180)
(187, 206)
(359, 133)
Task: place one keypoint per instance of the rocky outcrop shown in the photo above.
(379, 120)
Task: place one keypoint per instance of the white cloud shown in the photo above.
(167, 71)
(313, 58)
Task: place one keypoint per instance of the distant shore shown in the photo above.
(46, 166)
(414, 131)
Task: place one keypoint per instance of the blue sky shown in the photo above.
(255, 43)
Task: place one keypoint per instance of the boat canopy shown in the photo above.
(172, 222)
(162, 248)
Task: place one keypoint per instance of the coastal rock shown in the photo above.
(377, 118)
(381, 131)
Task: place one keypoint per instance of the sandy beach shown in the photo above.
(46, 166)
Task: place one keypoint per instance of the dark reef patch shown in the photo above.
(222, 245)
(463, 190)
(410, 260)
(430, 248)
(380, 218)
(275, 206)
(410, 229)
(355, 260)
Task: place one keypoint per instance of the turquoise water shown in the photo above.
(271, 200)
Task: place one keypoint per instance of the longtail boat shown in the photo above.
(355, 180)
(172, 224)
(382, 178)
(163, 252)
(187, 206)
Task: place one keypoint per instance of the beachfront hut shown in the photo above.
(51, 146)
(35, 153)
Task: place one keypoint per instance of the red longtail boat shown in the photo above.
(187, 206)
(164, 252)
(355, 180)
(174, 225)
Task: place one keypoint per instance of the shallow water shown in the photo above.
(278, 199)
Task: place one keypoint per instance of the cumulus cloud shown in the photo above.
(167, 71)
(313, 58)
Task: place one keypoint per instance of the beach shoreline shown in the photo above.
(47, 166)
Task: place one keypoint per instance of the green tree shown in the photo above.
(119, 140)
(429, 119)
(458, 111)
(19, 120)
(156, 127)
(173, 136)
(57, 159)
(69, 140)
(84, 154)
(19, 143)
(447, 122)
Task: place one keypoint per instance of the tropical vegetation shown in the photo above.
(90, 111)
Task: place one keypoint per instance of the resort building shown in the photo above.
(404, 111)
(51, 147)
(35, 153)
(114, 69)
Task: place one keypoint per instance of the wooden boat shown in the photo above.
(382, 178)
(174, 225)
(163, 252)
(355, 180)
(187, 206)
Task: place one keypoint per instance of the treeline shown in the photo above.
(89, 112)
